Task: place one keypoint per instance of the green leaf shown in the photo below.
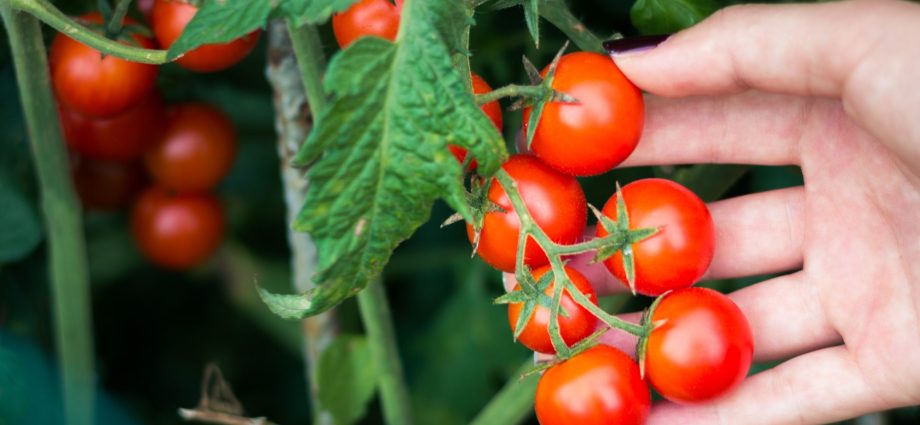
(221, 22)
(346, 378)
(379, 152)
(20, 230)
(668, 16)
(532, 17)
(312, 11)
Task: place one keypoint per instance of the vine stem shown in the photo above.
(378, 325)
(63, 220)
(511, 90)
(514, 402)
(113, 27)
(50, 15)
(558, 14)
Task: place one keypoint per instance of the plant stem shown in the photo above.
(511, 90)
(514, 403)
(113, 27)
(63, 220)
(381, 337)
(312, 62)
(50, 15)
(558, 14)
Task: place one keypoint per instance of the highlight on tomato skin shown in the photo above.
(378, 18)
(599, 386)
(703, 348)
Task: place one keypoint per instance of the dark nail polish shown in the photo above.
(634, 44)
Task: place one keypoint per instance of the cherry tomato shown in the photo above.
(106, 185)
(177, 231)
(703, 348)
(599, 131)
(378, 18)
(579, 324)
(99, 86)
(196, 150)
(169, 20)
(122, 137)
(146, 8)
(678, 255)
(492, 110)
(554, 200)
(600, 386)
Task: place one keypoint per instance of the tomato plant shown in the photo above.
(578, 325)
(177, 231)
(600, 129)
(96, 85)
(107, 185)
(599, 386)
(678, 255)
(702, 349)
(169, 19)
(379, 18)
(492, 109)
(555, 201)
(121, 137)
(196, 150)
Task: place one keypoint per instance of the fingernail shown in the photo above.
(631, 45)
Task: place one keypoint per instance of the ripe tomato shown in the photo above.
(579, 325)
(169, 20)
(92, 85)
(597, 133)
(121, 137)
(492, 110)
(702, 350)
(146, 8)
(678, 255)
(196, 150)
(106, 185)
(600, 386)
(378, 18)
(177, 231)
(554, 200)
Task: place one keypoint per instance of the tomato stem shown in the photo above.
(512, 90)
(69, 276)
(52, 16)
(558, 14)
(114, 23)
(312, 61)
(514, 402)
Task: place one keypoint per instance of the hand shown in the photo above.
(835, 89)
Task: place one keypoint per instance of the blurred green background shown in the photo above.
(155, 330)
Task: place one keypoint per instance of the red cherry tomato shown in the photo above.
(196, 150)
(599, 131)
(378, 18)
(600, 386)
(703, 348)
(177, 231)
(170, 18)
(678, 255)
(122, 137)
(554, 200)
(492, 110)
(146, 8)
(106, 185)
(92, 85)
(579, 324)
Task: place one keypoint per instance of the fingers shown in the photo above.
(819, 387)
(758, 234)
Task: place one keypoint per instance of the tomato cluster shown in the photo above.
(128, 146)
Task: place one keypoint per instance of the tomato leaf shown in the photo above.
(20, 230)
(532, 17)
(668, 16)
(221, 22)
(346, 378)
(379, 152)
(312, 11)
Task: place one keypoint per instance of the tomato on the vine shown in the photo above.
(196, 149)
(98, 86)
(701, 350)
(579, 324)
(121, 137)
(597, 387)
(378, 18)
(601, 129)
(170, 17)
(678, 255)
(106, 185)
(492, 110)
(554, 200)
(177, 231)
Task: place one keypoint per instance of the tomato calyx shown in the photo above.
(621, 239)
(537, 105)
(648, 327)
(477, 197)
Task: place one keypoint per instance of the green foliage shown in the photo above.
(221, 22)
(668, 16)
(532, 17)
(346, 378)
(20, 231)
(312, 11)
(379, 152)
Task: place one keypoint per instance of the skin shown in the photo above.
(177, 231)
